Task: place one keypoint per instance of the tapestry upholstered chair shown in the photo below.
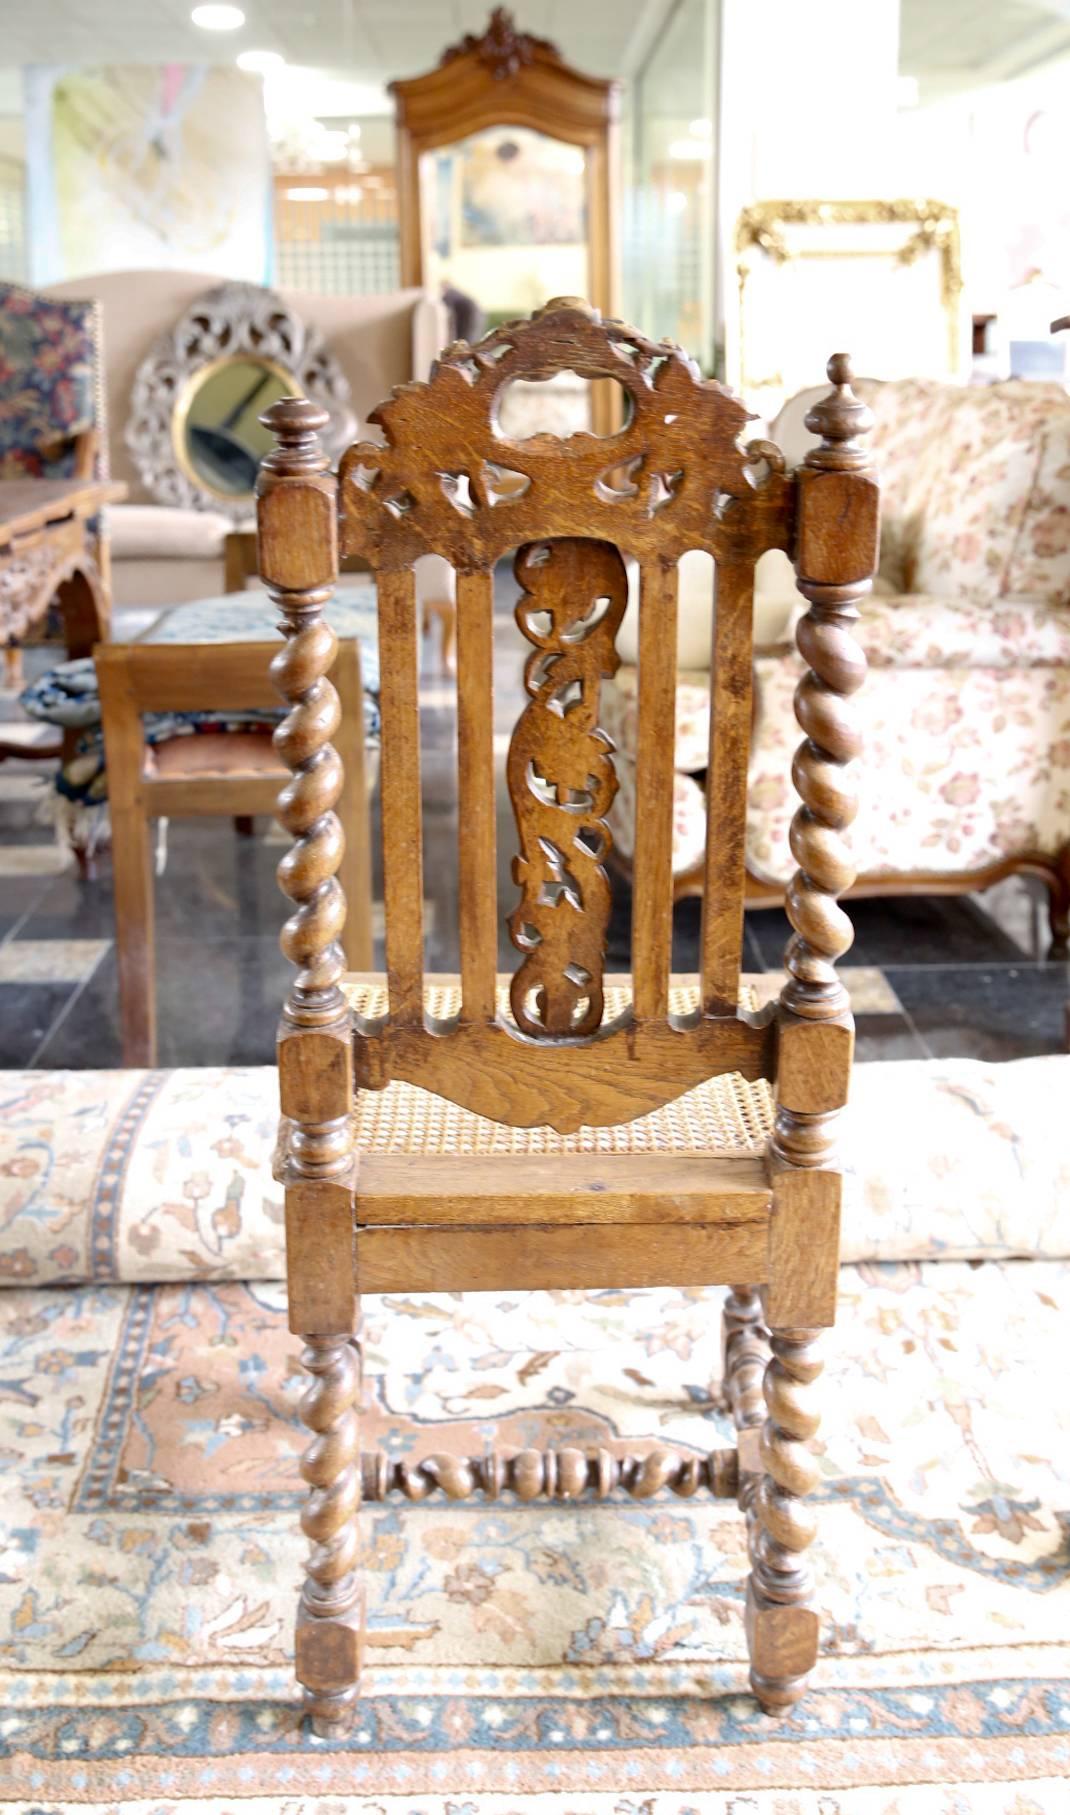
(51, 402)
(586, 1137)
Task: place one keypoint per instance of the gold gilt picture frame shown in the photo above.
(879, 279)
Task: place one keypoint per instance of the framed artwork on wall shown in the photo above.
(147, 166)
(881, 280)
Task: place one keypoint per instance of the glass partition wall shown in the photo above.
(669, 189)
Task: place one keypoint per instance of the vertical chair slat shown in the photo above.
(652, 863)
(399, 701)
(731, 690)
(477, 866)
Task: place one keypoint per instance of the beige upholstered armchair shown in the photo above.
(968, 639)
(163, 555)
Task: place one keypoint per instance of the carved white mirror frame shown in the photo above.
(237, 320)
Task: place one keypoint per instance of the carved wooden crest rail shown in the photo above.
(674, 478)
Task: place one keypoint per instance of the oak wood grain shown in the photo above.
(571, 1187)
(652, 862)
(399, 700)
(731, 708)
(476, 812)
(556, 1257)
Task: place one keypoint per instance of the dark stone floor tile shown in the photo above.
(19, 896)
(218, 1003)
(886, 1037)
(911, 929)
(216, 883)
(27, 1011)
(974, 1012)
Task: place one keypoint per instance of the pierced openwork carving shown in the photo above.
(675, 477)
(34, 571)
(562, 783)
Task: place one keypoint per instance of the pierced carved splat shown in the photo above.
(562, 782)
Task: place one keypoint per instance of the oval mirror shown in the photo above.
(219, 440)
(194, 431)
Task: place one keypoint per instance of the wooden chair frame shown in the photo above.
(135, 678)
(446, 481)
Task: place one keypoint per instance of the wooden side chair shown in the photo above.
(560, 1045)
(235, 774)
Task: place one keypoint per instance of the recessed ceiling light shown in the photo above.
(701, 129)
(261, 62)
(218, 18)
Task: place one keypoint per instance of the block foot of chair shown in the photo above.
(330, 1653)
(782, 1642)
(776, 1694)
(330, 1713)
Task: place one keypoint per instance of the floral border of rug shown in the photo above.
(588, 1661)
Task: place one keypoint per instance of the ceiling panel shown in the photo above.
(952, 45)
(372, 41)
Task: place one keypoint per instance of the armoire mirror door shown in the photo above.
(507, 192)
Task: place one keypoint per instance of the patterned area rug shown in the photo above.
(550, 1660)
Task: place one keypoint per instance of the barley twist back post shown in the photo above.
(833, 571)
(298, 559)
(835, 553)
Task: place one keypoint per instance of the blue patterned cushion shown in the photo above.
(68, 694)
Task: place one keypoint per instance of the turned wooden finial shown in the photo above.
(295, 423)
(839, 418)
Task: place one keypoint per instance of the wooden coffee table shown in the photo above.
(45, 554)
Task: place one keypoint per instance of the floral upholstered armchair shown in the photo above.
(51, 398)
(967, 701)
(50, 387)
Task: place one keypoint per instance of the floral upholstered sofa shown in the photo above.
(966, 709)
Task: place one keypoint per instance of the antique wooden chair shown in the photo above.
(543, 1053)
(194, 777)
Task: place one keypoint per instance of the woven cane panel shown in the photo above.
(725, 1116)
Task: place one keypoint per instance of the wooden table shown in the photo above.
(46, 553)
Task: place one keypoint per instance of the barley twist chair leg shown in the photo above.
(782, 1626)
(744, 1353)
(330, 1621)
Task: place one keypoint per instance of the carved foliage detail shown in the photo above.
(562, 782)
(451, 481)
(503, 48)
